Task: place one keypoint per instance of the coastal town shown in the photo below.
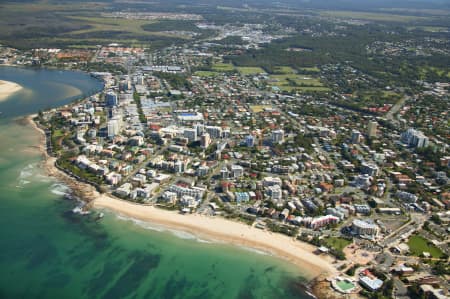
(290, 151)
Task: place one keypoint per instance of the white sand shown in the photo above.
(231, 232)
(7, 88)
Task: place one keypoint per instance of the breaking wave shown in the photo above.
(27, 171)
(254, 250)
(59, 189)
(26, 174)
(177, 233)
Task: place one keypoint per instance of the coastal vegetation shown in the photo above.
(337, 243)
(284, 229)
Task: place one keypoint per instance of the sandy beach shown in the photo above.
(7, 88)
(210, 228)
(220, 229)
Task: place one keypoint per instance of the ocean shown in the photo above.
(47, 251)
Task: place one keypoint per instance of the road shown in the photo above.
(391, 113)
(400, 290)
(417, 219)
(144, 163)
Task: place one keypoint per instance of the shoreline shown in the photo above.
(8, 88)
(219, 229)
(228, 231)
(84, 191)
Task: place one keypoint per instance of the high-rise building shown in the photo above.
(202, 170)
(356, 136)
(214, 132)
(274, 192)
(200, 129)
(114, 126)
(140, 80)
(224, 173)
(226, 133)
(414, 138)
(205, 140)
(372, 129)
(190, 134)
(250, 141)
(111, 99)
(178, 166)
(277, 136)
(125, 85)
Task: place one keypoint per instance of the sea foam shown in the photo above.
(177, 233)
(44, 178)
(140, 223)
(59, 189)
(26, 174)
(27, 171)
(254, 250)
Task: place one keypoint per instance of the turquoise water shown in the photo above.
(49, 252)
(44, 89)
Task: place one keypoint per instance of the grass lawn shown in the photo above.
(223, 67)
(300, 82)
(418, 245)
(105, 24)
(205, 74)
(426, 69)
(378, 97)
(370, 16)
(259, 108)
(297, 78)
(45, 6)
(345, 285)
(312, 88)
(309, 69)
(57, 133)
(250, 70)
(388, 93)
(337, 243)
(284, 70)
(428, 28)
(111, 24)
(56, 139)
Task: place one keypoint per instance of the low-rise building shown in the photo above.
(369, 169)
(237, 171)
(181, 189)
(274, 192)
(371, 283)
(364, 228)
